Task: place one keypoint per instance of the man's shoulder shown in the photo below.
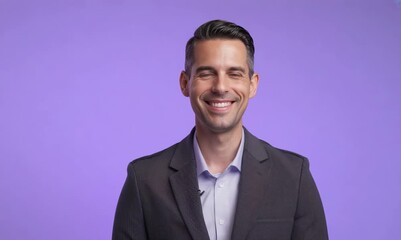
(156, 157)
(284, 160)
(285, 164)
(274, 152)
(284, 152)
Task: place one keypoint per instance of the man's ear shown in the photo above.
(254, 85)
(184, 81)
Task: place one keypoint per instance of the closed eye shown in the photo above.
(205, 75)
(236, 75)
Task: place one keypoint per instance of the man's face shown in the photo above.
(219, 85)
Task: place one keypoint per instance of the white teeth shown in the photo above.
(220, 104)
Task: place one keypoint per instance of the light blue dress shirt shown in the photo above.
(219, 193)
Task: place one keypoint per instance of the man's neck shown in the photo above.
(219, 149)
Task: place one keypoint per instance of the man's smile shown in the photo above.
(219, 106)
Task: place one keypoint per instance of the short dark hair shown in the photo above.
(219, 29)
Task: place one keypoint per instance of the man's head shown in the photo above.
(219, 29)
(219, 77)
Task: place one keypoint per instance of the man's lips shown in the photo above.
(220, 104)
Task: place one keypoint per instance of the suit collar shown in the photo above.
(185, 149)
(184, 152)
(184, 184)
(253, 183)
(255, 147)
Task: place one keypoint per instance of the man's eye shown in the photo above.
(205, 75)
(235, 75)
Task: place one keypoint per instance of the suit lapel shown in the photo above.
(253, 184)
(184, 183)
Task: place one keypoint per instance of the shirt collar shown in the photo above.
(201, 165)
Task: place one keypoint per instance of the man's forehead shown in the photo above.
(227, 53)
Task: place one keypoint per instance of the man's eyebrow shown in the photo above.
(209, 68)
(205, 68)
(234, 69)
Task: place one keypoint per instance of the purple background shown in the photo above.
(87, 86)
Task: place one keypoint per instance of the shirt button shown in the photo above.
(221, 185)
(221, 221)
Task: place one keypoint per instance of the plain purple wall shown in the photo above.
(88, 86)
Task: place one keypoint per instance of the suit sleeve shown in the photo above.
(129, 221)
(310, 221)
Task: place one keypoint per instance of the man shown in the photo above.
(220, 182)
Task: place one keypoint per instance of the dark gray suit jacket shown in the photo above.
(277, 197)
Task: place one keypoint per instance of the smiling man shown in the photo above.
(220, 182)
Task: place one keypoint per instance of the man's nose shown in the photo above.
(220, 84)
